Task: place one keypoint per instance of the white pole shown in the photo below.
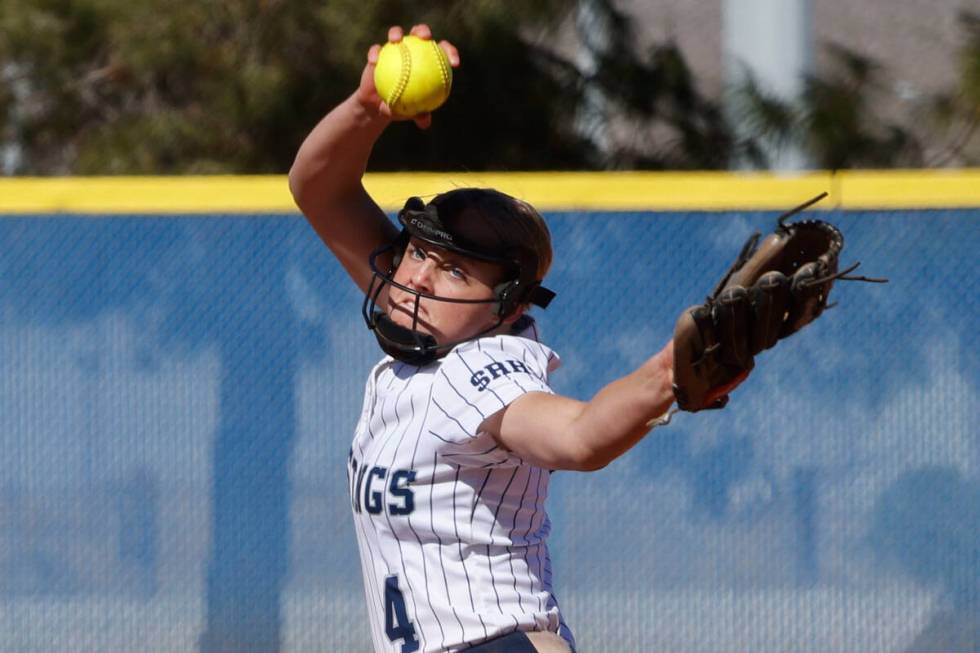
(771, 41)
(11, 153)
(592, 118)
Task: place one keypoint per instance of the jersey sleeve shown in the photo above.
(479, 379)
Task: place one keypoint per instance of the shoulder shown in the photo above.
(487, 359)
(478, 378)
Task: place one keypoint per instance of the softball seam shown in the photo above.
(443, 65)
(406, 60)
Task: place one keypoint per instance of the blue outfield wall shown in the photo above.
(177, 398)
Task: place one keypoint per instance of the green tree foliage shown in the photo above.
(168, 87)
(161, 86)
(957, 112)
(673, 125)
(835, 120)
(837, 123)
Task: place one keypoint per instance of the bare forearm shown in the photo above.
(326, 176)
(562, 433)
(326, 183)
(333, 158)
(619, 415)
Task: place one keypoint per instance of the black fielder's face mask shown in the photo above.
(409, 344)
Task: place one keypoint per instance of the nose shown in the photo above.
(421, 278)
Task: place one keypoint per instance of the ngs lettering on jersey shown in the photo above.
(460, 430)
(365, 496)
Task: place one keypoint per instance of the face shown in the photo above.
(436, 271)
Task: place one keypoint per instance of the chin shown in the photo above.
(403, 319)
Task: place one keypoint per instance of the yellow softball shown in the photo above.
(413, 76)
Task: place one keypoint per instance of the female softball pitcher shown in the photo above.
(449, 466)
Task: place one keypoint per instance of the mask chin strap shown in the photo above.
(402, 343)
(411, 346)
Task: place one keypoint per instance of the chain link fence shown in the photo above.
(178, 395)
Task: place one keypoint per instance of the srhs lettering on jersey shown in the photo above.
(374, 488)
(483, 376)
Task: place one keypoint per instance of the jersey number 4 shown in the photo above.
(397, 625)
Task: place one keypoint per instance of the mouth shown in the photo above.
(406, 306)
(403, 313)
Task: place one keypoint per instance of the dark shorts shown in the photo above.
(514, 643)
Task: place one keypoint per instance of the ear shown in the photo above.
(506, 325)
(515, 315)
(505, 293)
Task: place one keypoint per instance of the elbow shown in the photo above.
(308, 182)
(581, 453)
(574, 461)
(592, 465)
(589, 461)
(296, 185)
(309, 194)
(314, 187)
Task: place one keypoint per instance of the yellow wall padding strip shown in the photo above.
(570, 191)
(910, 189)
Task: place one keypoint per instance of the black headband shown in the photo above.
(423, 221)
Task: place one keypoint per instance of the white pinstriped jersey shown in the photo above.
(451, 526)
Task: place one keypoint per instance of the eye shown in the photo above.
(416, 253)
(457, 273)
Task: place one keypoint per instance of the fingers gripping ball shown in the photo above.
(413, 76)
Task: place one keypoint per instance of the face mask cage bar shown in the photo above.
(422, 221)
(403, 343)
